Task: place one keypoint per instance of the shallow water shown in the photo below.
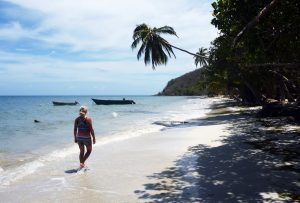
(25, 145)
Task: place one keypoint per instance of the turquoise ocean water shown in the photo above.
(26, 145)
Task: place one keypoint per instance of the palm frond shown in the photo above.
(147, 57)
(135, 43)
(155, 49)
(141, 51)
(166, 30)
(168, 48)
(202, 57)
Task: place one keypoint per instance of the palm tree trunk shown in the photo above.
(185, 51)
(254, 21)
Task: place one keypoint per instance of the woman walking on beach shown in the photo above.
(83, 130)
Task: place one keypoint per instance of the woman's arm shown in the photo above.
(89, 120)
(75, 130)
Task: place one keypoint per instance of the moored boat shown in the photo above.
(55, 103)
(112, 102)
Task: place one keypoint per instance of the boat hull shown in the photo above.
(64, 103)
(112, 102)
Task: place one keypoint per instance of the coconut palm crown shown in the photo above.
(202, 57)
(155, 48)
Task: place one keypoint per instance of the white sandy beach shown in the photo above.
(117, 169)
(160, 167)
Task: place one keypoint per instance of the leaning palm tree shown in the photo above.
(202, 57)
(156, 49)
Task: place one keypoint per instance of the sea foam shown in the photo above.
(129, 125)
(12, 175)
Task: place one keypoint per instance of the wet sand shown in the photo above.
(117, 171)
(205, 160)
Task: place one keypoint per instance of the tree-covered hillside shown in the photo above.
(185, 85)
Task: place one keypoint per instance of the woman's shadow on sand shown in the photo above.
(77, 170)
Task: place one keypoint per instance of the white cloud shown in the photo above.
(108, 24)
(13, 31)
(100, 33)
(37, 74)
(44, 68)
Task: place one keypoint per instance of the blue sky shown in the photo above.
(67, 47)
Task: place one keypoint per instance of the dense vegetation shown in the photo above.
(256, 57)
(257, 53)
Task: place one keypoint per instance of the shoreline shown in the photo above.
(117, 170)
(16, 166)
(208, 159)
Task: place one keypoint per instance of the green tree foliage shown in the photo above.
(263, 58)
